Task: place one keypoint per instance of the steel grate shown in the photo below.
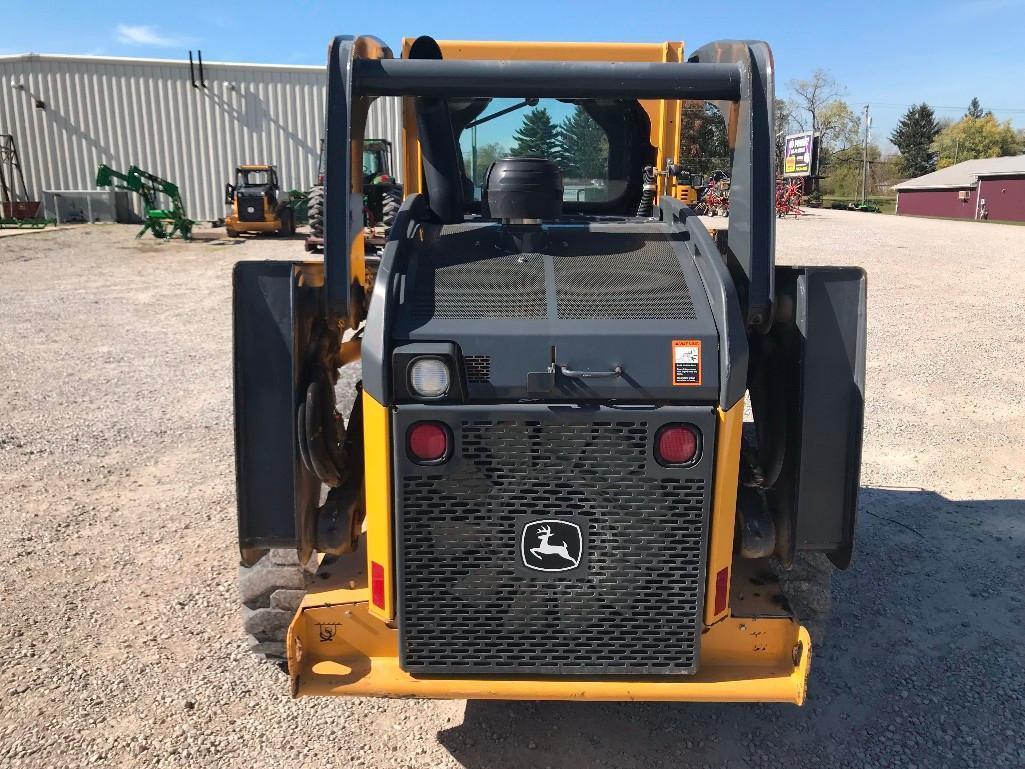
(465, 605)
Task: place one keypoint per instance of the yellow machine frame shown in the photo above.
(340, 643)
(663, 114)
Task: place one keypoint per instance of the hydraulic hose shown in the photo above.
(646, 207)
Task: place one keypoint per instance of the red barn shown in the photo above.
(990, 188)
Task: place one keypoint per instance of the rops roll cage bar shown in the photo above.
(736, 76)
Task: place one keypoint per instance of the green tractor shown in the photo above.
(382, 195)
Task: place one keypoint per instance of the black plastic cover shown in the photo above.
(523, 188)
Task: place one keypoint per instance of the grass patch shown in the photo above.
(887, 205)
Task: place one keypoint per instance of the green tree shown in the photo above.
(537, 136)
(913, 137)
(839, 128)
(971, 138)
(816, 105)
(783, 121)
(840, 146)
(844, 169)
(974, 109)
(583, 146)
(486, 155)
(704, 146)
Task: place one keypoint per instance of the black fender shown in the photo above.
(275, 309)
(807, 383)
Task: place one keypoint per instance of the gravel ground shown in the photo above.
(120, 642)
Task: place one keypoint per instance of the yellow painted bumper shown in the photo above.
(233, 223)
(335, 647)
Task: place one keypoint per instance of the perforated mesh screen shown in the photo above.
(468, 607)
(644, 284)
(601, 272)
(493, 287)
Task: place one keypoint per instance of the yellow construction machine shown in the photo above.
(545, 487)
(256, 203)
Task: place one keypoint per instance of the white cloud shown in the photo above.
(141, 34)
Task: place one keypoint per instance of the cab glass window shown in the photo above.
(371, 163)
(562, 131)
(253, 178)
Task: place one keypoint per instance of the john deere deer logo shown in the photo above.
(552, 545)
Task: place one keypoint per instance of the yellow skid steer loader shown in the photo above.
(545, 488)
(256, 203)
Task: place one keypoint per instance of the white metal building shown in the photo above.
(68, 114)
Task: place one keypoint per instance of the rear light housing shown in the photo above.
(677, 445)
(428, 372)
(428, 443)
(430, 377)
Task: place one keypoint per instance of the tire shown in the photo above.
(807, 587)
(232, 233)
(315, 209)
(286, 215)
(391, 202)
(271, 591)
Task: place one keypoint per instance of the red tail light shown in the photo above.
(676, 445)
(427, 442)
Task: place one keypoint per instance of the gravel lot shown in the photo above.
(120, 642)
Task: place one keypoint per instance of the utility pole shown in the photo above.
(864, 157)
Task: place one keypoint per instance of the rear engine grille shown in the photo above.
(478, 368)
(465, 605)
(254, 202)
(646, 283)
(496, 287)
(599, 273)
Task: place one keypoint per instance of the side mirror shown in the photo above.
(229, 193)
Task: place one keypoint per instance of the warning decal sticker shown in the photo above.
(687, 362)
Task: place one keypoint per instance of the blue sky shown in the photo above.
(888, 55)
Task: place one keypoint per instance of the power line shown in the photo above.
(936, 107)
